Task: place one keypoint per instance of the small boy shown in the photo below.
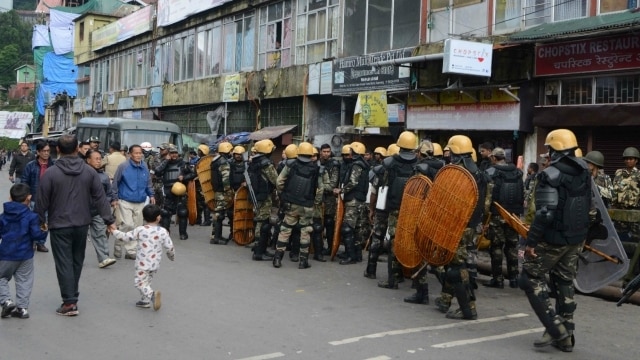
(19, 232)
(151, 239)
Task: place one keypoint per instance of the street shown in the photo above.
(219, 304)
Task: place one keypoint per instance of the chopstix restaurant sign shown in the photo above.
(591, 55)
(355, 74)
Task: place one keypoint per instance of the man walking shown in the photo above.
(67, 191)
(19, 161)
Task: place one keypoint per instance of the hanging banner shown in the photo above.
(231, 91)
(371, 110)
(360, 73)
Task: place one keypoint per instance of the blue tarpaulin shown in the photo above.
(48, 90)
(58, 68)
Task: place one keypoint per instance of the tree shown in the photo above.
(15, 46)
(9, 58)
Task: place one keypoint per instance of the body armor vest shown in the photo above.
(429, 167)
(236, 177)
(302, 182)
(171, 172)
(360, 191)
(399, 171)
(216, 175)
(261, 186)
(508, 188)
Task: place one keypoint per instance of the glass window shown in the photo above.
(406, 23)
(275, 35)
(229, 47)
(201, 52)
(507, 14)
(188, 57)
(177, 58)
(543, 11)
(577, 92)
(618, 89)
(614, 5)
(355, 16)
(215, 50)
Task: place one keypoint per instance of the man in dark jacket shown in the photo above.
(19, 161)
(67, 191)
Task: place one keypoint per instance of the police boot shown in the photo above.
(372, 265)
(392, 281)
(165, 220)
(277, 258)
(495, 282)
(219, 240)
(206, 221)
(350, 251)
(260, 250)
(443, 303)
(467, 309)
(421, 296)
(329, 227)
(182, 228)
(317, 247)
(304, 263)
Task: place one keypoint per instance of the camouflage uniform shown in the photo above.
(301, 212)
(626, 196)
(153, 160)
(354, 190)
(330, 178)
(222, 196)
(605, 187)
(380, 223)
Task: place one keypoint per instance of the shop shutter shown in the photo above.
(611, 142)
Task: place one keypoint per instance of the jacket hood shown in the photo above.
(14, 210)
(71, 165)
(505, 167)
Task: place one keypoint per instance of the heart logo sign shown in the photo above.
(480, 59)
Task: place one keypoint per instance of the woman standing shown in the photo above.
(32, 173)
(98, 229)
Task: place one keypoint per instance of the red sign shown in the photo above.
(600, 54)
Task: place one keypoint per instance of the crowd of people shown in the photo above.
(137, 195)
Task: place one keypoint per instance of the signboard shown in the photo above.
(371, 110)
(395, 113)
(172, 11)
(129, 26)
(326, 80)
(590, 55)
(14, 124)
(476, 116)
(467, 57)
(355, 74)
(231, 92)
(125, 103)
(155, 100)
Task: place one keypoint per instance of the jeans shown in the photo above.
(68, 247)
(22, 271)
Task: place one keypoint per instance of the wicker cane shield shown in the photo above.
(243, 232)
(192, 205)
(404, 244)
(445, 214)
(203, 168)
(338, 226)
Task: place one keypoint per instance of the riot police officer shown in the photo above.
(298, 185)
(171, 170)
(220, 173)
(203, 208)
(263, 178)
(332, 172)
(555, 239)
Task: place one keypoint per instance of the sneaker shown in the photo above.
(143, 304)
(156, 300)
(7, 308)
(106, 262)
(67, 310)
(21, 313)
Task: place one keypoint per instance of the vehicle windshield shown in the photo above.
(137, 137)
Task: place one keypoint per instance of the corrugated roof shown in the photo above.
(630, 18)
(271, 132)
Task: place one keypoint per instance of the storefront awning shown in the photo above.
(271, 132)
(618, 20)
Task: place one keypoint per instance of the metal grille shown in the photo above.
(576, 92)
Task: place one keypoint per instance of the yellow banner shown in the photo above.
(231, 91)
(371, 110)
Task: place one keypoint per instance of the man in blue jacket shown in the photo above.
(132, 183)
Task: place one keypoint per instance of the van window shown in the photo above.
(137, 137)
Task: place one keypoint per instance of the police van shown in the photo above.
(128, 131)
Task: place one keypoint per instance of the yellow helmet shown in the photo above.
(315, 151)
(358, 148)
(178, 189)
(265, 146)
(291, 151)
(305, 148)
(561, 139)
(407, 140)
(225, 147)
(578, 152)
(474, 155)
(380, 150)
(437, 150)
(393, 149)
(346, 150)
(204, 148)
(238, 150)
(460, 144)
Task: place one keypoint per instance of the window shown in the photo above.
(508, 14)
(274, 47)
(621, 89)
(317, 30)
(618, 89)
(443, 4)
(238, 39)
(378, 25)
(615, 5)
(576, 92)
(545, 11)
(81, 32)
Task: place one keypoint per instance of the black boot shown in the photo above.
(207, 217)
(304, 263)
(165, 222)
(277, 258)
(260, 250)
(219, 240)
(350, 249)
(467, 310)
(421, 296)
(317, 247)
(182, 228)
(497, 283)
(372, 265)
(392, 281)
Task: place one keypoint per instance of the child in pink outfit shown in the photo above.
(152, 239)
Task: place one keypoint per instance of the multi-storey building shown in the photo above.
(250, 64)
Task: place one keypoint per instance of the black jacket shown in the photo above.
(19, 162)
